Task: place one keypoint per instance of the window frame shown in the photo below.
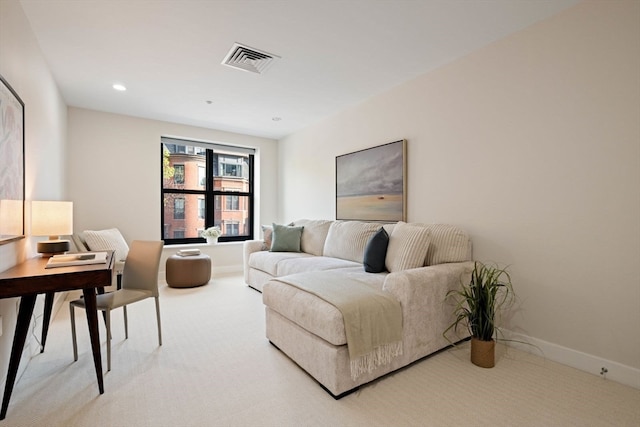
(209, 194)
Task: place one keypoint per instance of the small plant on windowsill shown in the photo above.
(212, 234)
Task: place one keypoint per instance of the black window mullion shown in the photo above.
(251, 197)
(210, 199)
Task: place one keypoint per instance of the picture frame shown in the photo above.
(12, 167)
(371, 184)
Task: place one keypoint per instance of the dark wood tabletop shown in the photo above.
(31, 277)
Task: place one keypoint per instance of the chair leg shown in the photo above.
(126, 322)
(108, 320)
(72, 314)
(158, 319)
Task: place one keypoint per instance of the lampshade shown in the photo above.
(11, 217)
(53, 219)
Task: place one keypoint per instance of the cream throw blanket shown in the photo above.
(372, 318)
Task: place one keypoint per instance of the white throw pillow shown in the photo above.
(448, 244)
(314, 235)
(408, 245)
(267, 235)
(347, 239)
(105, 240)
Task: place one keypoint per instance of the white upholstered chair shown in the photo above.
(139, 281)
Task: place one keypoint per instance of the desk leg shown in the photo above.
(46, 318)
(22, 328)
(92, 322)
(100, 291)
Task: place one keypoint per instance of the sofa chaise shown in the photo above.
(422, 261)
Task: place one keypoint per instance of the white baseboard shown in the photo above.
(576, 359)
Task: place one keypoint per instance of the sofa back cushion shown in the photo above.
(347, 239)
(314, 235)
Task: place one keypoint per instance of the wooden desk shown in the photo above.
(30, 278)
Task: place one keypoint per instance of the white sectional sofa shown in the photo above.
(425, 262)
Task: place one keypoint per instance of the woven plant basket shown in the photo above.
(483, 353)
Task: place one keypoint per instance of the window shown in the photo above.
(205, 185)
(178, 175)
(232, 228)
(202, 175)
(201, 206)
(178, 208)
(232, 203)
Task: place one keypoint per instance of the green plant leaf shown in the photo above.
(476, 303)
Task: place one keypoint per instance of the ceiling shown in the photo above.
(333, 54)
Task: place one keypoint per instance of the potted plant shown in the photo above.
(211, 234)
(476, 306)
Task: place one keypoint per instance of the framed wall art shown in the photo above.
(371, 184)
(11, 164)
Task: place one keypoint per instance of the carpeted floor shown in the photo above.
(216, 368)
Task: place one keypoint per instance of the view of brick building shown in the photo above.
(185, 212)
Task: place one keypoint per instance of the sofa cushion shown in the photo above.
(312, 263)
(306, 310)
(347, 239)
(314, 235)
(408, 245)
(310, 312)
(268, 261)
(375, 252)
(286, 238)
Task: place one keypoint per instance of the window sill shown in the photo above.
(200, 245)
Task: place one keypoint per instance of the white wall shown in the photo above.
(23, 66)
(532, 144)
(114, 176)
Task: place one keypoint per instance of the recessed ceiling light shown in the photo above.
(209, 102)
(119, 87)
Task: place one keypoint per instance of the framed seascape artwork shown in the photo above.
(371, 184)
(11, 164)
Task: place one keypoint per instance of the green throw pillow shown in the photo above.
(286, 238)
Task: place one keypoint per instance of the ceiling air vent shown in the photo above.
(249, 59)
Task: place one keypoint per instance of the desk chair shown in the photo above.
(139, 281)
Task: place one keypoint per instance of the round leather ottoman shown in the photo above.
(188, 271)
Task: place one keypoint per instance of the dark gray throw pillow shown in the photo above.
(285, 238)
(375, 252)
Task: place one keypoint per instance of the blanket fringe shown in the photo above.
(379, 356)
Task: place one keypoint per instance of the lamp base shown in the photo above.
(53, 247)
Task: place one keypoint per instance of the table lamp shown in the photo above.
(53, 219)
